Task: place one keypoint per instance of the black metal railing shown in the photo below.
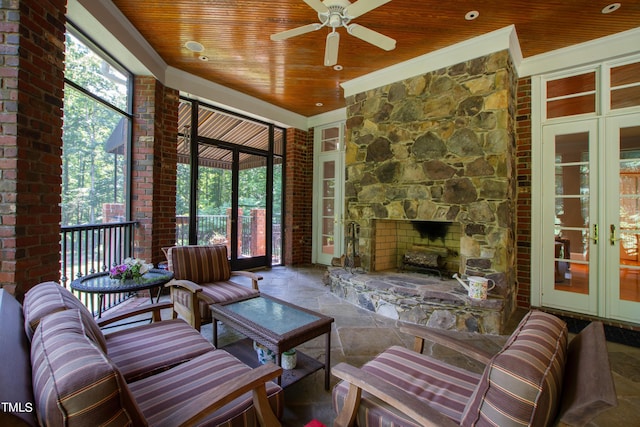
(88, 249)
(213, 229)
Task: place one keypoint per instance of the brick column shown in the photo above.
(258, 232)
(155, 160)
(31, 80)
(523, 200)
(299, 197)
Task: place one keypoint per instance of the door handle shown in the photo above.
(612, 235)
(595, 234)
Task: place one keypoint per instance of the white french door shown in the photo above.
(328, 195)
(591, 217)
(622, 207)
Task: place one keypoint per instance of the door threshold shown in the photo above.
(615, 330)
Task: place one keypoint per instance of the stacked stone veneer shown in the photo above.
(440, 146)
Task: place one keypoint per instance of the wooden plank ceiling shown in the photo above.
(290, 73)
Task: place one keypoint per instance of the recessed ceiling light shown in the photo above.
(319, 104)
(471, 15)
(194, 46)
(203, 58)
(611, 8)
(337, 67)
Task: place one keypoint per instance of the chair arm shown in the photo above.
(187, 285)
(443, 338)
(253, 276)
(147, 308)
(406, 403)
(190, 312)
(200, 407)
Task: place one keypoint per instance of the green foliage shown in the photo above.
(91, 176)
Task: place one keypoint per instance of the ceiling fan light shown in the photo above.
(611, 8)
(194, 46)
(471, 15)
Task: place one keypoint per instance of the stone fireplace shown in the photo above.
(438, 147)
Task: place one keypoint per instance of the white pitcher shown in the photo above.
(478, 287)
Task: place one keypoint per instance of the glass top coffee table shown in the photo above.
(279, 326)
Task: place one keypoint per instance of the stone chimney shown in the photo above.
(439, 147)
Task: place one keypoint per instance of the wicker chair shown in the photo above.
(202, 277)
(536, 379)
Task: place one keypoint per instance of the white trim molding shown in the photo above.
(495, 41)
(591, 52)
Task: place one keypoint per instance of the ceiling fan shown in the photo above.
(339, 13)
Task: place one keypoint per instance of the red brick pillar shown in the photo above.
(258, 232)
(523, 201)
(299, 197)
(113, 212)
(31, 92)
(155, 160)
(229, 231)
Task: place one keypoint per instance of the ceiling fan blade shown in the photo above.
(373, 37)
(296, 31)
(317, 5)
(331, 49)
(361, 7)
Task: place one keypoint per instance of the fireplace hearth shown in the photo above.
(420, 298)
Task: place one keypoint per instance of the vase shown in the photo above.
(289, 359)
(264, 354)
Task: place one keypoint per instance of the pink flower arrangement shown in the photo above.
(132, 268)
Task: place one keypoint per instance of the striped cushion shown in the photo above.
(144, 350)
(159, 395)
(444, 387)
(214, 293)
(200, 264)
(521, 385)
(49, 297)
(74, 383)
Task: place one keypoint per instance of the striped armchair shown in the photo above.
(202, 276)
(535, 380)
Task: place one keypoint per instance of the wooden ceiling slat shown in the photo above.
(290, 73)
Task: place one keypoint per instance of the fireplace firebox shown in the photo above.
(426, 246)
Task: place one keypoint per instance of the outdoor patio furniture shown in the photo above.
(536, 379)
(202, 277)
(57, 372)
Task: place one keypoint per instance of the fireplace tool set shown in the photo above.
(352, 259)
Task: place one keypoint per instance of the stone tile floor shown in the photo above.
(358, 335)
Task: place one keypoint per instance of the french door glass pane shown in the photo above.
(276, 226)
(214, 198)
(328, 211)
(629, 214)
(252, 206)
(572, 213)
(330, 139)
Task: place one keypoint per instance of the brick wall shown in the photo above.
(31, 83)
(523, 200)
(299, 197)
(155, 159)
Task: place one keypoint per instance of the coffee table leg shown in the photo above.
(279, 363)
(215, 332)
(327, 361)
(100, 301)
